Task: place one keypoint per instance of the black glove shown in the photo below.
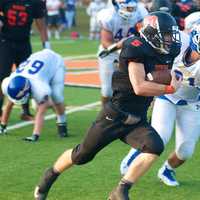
(104, 53)
(3, 129)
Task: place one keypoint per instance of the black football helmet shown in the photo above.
(160, 30)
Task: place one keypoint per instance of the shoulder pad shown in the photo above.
(132, 49)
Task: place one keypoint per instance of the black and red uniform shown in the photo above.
(17, 17)
(111, 121)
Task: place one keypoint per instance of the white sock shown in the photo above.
(61, 118)
(168, 165)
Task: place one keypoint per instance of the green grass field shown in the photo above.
(22, 163)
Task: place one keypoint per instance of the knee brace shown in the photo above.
(185, 150)
(80, 155)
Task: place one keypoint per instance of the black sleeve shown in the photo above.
(39, 8)
(132, 50)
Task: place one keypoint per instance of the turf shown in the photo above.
(22, 164)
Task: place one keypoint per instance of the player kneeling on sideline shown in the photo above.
(181, 108)
(40, 77)
(124, 117)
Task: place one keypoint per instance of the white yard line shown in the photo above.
(80, 57)
(51, 116)
(82, 85)
(64, 42)
(83, 72)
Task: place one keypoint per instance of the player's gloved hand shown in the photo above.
(3, 129)
(103, 53)
(106, 52)
(176, 80)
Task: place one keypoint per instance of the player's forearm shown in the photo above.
(142, 87)
(39, 118)
(106, 38)
(6, 113)
(147, 88)
(41, 26)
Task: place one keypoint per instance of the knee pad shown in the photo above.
(81, 156)
(185, 150)
(153, 144)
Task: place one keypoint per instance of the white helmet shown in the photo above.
(192, 19)
(125, 8)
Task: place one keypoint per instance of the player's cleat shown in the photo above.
(62, 129)
(119, 193)
(42, 189)
(167, 176)
(27, 117)
(32, 138)
(3, 130)
(39, 195)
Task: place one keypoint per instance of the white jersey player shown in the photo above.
(117, 23)
(181, 108)
(53, 17)
(40, 77)
(92, 10)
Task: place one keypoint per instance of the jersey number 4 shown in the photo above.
(34, 68)
(119, 35)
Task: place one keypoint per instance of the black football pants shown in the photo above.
(107, 129)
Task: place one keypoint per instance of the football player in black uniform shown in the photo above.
(16, 18)
(125, 116)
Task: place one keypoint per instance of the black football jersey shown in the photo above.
(18, 16)
(136, 49)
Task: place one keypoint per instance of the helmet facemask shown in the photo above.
(125, 8)
(160, 38)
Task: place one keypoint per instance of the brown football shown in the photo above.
(160, 76)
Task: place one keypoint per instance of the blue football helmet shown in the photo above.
(195, 38)
(18, 89)
(125, 8)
